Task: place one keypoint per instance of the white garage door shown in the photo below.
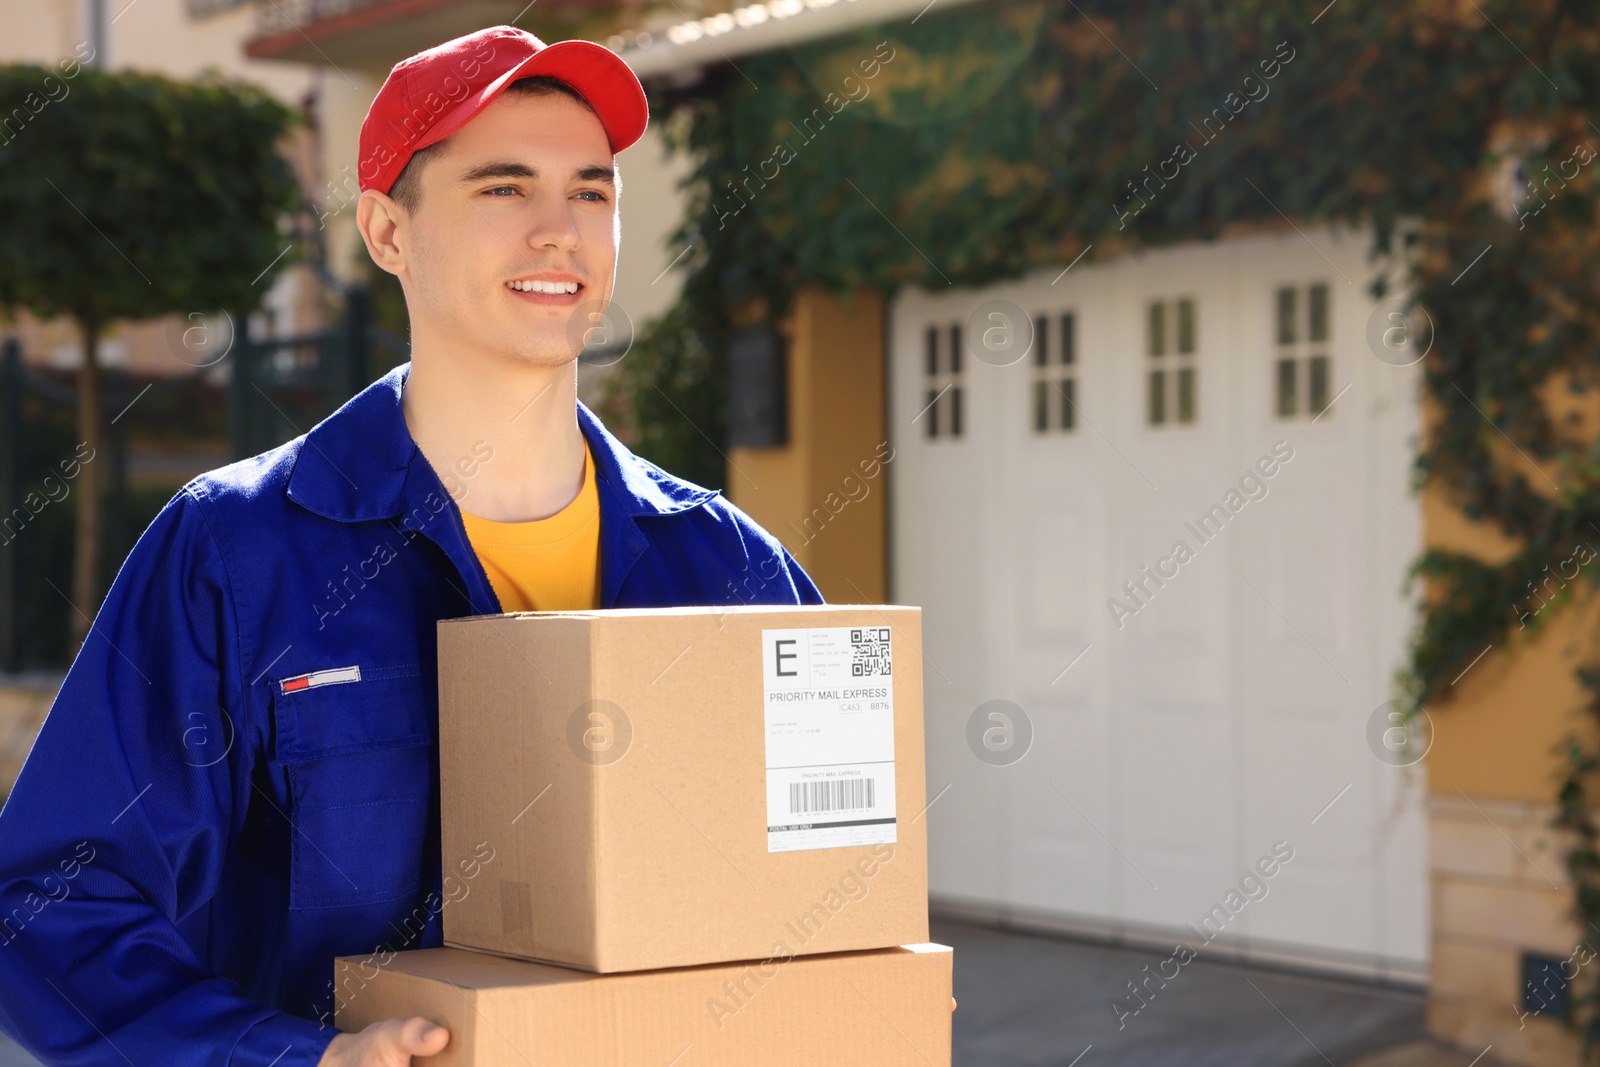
(1223, 708)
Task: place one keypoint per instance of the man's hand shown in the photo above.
(390, 1043)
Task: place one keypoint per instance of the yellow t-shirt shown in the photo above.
(549, 564)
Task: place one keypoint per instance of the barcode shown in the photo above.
(869, 652)
(841, 795)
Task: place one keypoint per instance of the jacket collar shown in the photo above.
(353, 466)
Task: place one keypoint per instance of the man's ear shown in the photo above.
(381, 221)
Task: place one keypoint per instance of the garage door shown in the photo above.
(1160, 551)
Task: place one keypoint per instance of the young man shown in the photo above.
(238, 780)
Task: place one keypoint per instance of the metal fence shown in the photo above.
(274, 388)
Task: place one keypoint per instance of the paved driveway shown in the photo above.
(12, 1056)
(1029, 1001)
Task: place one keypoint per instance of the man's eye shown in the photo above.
(599, 197)
(499, 189)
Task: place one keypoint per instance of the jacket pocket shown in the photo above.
(360, 761)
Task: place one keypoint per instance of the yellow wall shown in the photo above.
(1497, 732)
(149, 35)
(814, 494)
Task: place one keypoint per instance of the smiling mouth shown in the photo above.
(544, 288)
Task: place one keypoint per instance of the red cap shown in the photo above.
(433, 94)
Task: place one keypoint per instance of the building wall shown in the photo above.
(652, 206)
(149, 35)
(823, 493)
(1499, 884)
(1499, 889)
(341, 105)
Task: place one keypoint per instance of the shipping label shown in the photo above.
(829, 699)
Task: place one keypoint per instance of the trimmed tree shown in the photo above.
(130, 196)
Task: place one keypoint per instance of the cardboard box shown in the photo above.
(886, 1007)
(629, 780)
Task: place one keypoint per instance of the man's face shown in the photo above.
(523, 193)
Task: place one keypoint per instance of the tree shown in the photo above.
(130, 196)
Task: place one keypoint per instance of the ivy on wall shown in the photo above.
(986, 141)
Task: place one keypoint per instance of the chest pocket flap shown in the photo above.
(343, 710)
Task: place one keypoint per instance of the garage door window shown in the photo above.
(1302, 367)
(1055, 372)
(1172, 341)
(943, 384)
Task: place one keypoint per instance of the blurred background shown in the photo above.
(1214, 375)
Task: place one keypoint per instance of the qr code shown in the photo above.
(869, 652)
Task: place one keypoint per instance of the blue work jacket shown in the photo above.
(190, 843)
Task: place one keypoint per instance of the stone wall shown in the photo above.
(1499, 889)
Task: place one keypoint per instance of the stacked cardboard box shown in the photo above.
(710, 822)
